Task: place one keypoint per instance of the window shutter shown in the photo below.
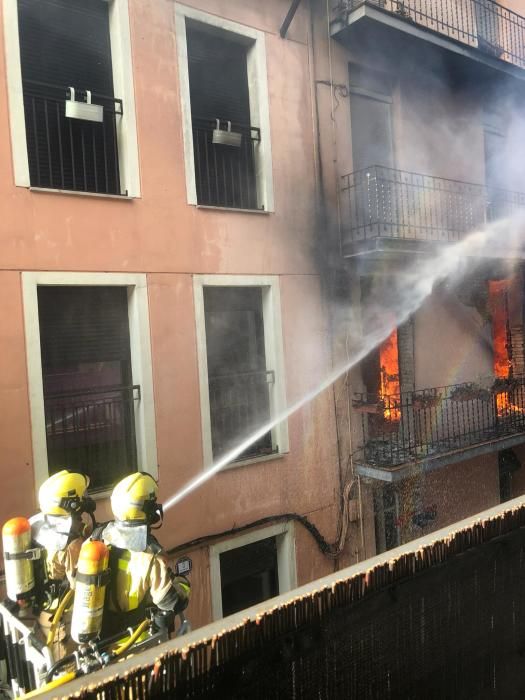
(82, 325)
(66, 43)
(218, 77)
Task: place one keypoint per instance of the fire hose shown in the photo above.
(58, 616)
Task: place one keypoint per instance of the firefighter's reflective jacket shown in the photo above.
(139, 579)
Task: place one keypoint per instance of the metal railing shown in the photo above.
(93, 430)
(481, 24)
(225, 175)
(239, 404)
(420, 424)
(66, 153)
(379, 202)
(27, 659)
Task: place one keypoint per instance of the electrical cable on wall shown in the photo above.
(330, 550)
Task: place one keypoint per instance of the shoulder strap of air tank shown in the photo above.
(98, 532)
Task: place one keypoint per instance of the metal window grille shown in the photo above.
(70, 154)
(93, 431)
(225, 175)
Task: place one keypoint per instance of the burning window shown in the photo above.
(389, 376)
(499, 308)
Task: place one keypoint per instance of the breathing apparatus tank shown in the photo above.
(18, 559)
(90, 591)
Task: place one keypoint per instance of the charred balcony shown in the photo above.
(438, 426)
(393, 210)
(480, 30)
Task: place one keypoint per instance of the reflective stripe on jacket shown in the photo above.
(136, 575)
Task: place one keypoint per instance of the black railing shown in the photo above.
(481, 24)
(66, 153)
(93, 430)
(225, 175)
(417, 425)
(382, 202)
(239, 404)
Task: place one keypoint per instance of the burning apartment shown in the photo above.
(437, 409)
(201, 202)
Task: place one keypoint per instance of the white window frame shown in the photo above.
(286, 566)
(273, 348)
(121, 58)
(141, 366)
(258, 90)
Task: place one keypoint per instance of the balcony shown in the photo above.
(392, 210)
(66, 153)
(225, 174)
(438, 426)
(93, 430)
(480, 29)
(239, 404)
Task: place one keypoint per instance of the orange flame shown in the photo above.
(390, 387)
(502, 363)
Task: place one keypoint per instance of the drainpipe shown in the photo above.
(289, 18)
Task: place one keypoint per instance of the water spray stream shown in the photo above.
(413, 287)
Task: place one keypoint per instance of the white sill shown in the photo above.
(49, 190)
(243, 211)
(254, 460)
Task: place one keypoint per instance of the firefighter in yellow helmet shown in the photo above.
(140, 576)
(59, 530)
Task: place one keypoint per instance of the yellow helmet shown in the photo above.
(63, 493)
(134, 499)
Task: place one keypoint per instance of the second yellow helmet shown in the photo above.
(134, 499)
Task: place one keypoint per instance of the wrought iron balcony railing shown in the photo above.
(240, 403)
(382, 202)
(418, 425)
(481, 24)
(66, 153)
(93, 430)
(225, 175)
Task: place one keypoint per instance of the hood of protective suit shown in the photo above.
(134, 538)
(51, 531)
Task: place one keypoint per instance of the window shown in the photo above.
(71, 95)
(371, 119)
(248, 575)
(222, 69)
(252, 568)
(90, 377)
(238, 377)
(89, 399)
(240, 360)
